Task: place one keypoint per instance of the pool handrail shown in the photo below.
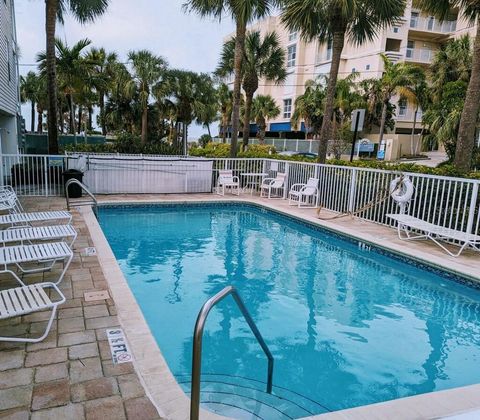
(197, 345)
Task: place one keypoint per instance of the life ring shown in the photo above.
(401, 189)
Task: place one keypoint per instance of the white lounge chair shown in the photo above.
(304, 195)
(270, 185)
(44, 253)
(412, 228)
(226, 180)
(26, 300)
(39, 233)
(17, 215)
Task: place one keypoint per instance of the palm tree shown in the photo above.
(225, 102)
(416, 93)
(263, 109)
(337, 20)
(82, 10)
(309, 107)
(470, 11)
(396, 78)
(104, 68)
(263, 59)
(242, 12)
(29, 93)
(147, 71)
(72, 71)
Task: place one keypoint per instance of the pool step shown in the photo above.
(244, 398)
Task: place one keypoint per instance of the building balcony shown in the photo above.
(408, 114)
(430, 27)
(419, 55)
(393, 56)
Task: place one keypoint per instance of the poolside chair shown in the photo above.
(39, 233)
(413, 228)
(44, 253)
(26, 300)
(304, 195)
(273, 185)
(17, 215)
(226, 180)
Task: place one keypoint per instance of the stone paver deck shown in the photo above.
(69, 375)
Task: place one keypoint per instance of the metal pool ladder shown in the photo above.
(197, 345)
(92, 201)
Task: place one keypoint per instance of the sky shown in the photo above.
(161, 26)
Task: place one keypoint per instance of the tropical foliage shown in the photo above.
(263, 109)
(264, 59)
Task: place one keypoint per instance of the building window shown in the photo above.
(367, 67)
(292, 36)
(414, 17)
(329, 49)
(402, 107)
(395, 29)
(287, 108)
(291, 55)
(354, 69)
(410, 49)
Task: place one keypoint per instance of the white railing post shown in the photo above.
(286, 187)
(2, 175)
(45, 173)
(473, 206)
(296, 146)
(317, 167)
(285, 143)
(353, 190)
(309, 146)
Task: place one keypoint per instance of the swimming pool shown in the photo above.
(347, 326)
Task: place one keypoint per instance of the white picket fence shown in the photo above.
(445, 201)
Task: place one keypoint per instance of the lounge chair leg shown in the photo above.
(65, 268)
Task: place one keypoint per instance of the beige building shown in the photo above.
(415, 39)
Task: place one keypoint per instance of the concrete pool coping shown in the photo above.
(161, 385)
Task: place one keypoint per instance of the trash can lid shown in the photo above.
(73, 172)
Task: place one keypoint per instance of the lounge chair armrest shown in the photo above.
(267, 181)
(235, 178)
(297, 187)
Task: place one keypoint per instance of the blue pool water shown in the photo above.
(346, 326)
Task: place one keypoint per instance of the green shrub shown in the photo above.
(204, 140)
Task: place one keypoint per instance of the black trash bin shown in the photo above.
(74, 190)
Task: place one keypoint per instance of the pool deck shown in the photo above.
(71, 374)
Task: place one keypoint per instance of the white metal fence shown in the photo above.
(445, 201)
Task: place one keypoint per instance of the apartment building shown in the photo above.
(9, 80)
(415, 39)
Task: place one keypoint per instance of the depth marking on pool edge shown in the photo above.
(118, 346)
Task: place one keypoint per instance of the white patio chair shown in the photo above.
(39, 233)
(273, 185)
(413, 228)
(44, 253)
(304, 195)
(26, 300)
(226, 180)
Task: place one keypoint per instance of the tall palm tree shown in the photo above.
(396, 78)
(72, 69)
(263, 59)
(357, 21)
(225, 102)
(147, 71)
(263, 109)
(29, 93)
(470, 11)
(242, 12)
(82, 10)
(102, 77)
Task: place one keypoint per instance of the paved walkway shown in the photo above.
(70, 375)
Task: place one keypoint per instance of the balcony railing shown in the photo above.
(432, 25)
(408, 114)
(419, 55)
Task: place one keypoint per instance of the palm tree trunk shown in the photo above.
(72, 114)
(144, 125)
(51, 8)
(224, 130)
(39, 120)
(262, 127)
(90, 118)
(80, 112)
(413, 147)
(383, 120)
(208, 129)
(471, 106)
(32, 123)
(246, 119)
(338, 40)
(241, 29)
